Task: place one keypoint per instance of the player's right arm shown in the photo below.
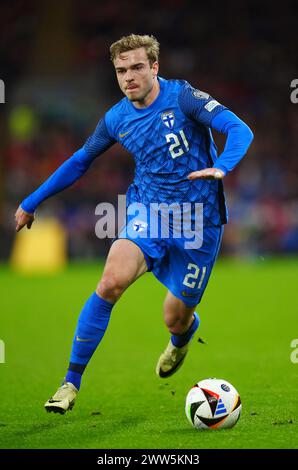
(69, 172)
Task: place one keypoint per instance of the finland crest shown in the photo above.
(139, 225)
(168, 118)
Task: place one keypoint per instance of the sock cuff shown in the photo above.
(100, 301)
(181, 340)
(195, 324)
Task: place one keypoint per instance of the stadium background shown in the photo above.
(59, 82)
(54, 60)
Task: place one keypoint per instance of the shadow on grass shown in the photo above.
(81, 427)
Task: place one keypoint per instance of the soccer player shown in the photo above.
(166, 125)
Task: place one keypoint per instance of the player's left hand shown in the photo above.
(207, 174)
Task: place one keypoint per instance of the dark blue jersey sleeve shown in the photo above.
(198, 105)
(72, 169)
(99, 141)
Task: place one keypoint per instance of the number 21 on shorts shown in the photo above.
(195, 277)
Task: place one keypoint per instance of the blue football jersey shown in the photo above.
(169, 139)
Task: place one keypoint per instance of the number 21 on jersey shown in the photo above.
(178, 143)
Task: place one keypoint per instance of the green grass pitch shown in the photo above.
(248, 318)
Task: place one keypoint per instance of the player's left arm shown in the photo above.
(205, 110)
(239, 137)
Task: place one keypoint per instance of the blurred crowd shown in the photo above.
(59, 82)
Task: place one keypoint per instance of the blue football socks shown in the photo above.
(181, 340)
(92, 324)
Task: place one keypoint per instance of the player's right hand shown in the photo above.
(23, 218)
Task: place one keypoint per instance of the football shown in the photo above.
(213, 404)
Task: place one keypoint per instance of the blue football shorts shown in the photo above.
(185, 272)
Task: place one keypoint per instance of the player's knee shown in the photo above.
(110, 288)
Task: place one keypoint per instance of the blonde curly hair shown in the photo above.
(134, 41)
